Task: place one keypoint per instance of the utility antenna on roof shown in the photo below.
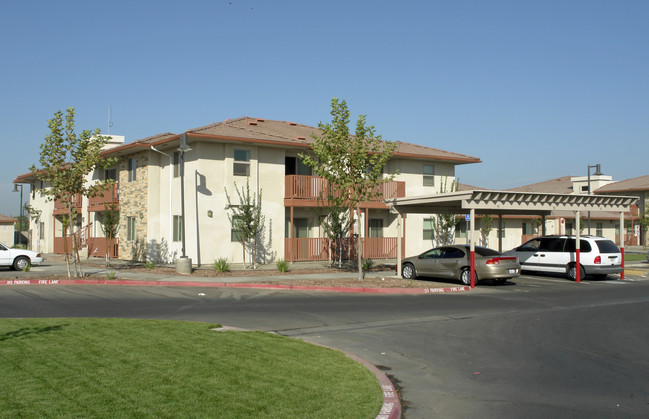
(110, 123)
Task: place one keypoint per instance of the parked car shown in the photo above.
(598, 256)
(18, 259)
(455, 261)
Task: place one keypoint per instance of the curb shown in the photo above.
(361, 290)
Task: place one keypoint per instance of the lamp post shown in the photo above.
(598, 172)
(183, 264)
(20, 217)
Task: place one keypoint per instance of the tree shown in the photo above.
(246, 219)
(110, 227)
(444, 224)
(335, 223)
(352, 165)
(66, 159)
(485, 229)
(644, 224)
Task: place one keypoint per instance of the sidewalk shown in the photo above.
(310, 276)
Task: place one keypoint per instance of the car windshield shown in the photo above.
(607, 246)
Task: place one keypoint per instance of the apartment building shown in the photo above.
(261, 153)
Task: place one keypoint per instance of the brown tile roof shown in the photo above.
(465, 187)
(558, 185)
(6, 219)
(291, 133)
(640, 183)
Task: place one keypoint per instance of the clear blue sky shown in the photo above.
(536, 89)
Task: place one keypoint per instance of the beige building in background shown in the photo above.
(7, 229)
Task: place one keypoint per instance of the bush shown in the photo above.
(282, 265)
(110, 275)
(367, 264)
(221, 265)
(27, 267)
(149, 264)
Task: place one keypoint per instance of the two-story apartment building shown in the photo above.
(261, 153)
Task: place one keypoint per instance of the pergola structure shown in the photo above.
(507, 202)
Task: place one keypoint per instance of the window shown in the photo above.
(241, 165)
(178, 228)
(429, 175)
(236, 235)
(130, 228)
(132, 170)
(376, 227)
(570, 230)
(41, 231)
(429, 229)
(599, 231)
(584, 189)
(176, 158)
(460, 230)
(110, 174)
(526, 229)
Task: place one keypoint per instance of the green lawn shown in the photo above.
(634, 256)
(117, 368)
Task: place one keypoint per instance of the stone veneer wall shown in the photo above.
(133, 203)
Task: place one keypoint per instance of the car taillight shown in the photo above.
(598, 259)
(496, 261)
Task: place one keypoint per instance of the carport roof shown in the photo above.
(508, 202)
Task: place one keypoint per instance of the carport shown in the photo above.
(511, 203)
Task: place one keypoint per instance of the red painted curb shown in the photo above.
(231, 285)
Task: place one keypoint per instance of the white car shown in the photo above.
(18, 259)
(598, 256)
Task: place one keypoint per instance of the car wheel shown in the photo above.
(572, 272)
(408, 271)
(20, 263)
(465, 276)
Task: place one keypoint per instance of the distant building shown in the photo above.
(7, 229)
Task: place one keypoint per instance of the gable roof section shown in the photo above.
(640, 183)
(560, 185)
(142, 144)
(293, 134)
(6, 219)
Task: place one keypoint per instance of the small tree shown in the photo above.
(246, 218)
(644, 224)
(352, 165)
(335, 223)
(110, 227)
(485, 229)
(66, 159)
(444, 224)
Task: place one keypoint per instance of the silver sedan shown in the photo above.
(454, 262)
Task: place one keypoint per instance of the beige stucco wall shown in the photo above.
(7, 233)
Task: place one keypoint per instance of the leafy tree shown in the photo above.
(444, 224)
(110, 227)
(246, 218)
(644, 224)
(66, 158)
(335, 223)
(352, 165)
(485, 228)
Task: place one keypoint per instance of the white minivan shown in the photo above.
(598, 256)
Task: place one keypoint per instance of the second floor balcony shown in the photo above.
(308, 191)
(61, 205)
(99, 202)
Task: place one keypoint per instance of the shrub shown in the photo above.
(282, 265)
(27, 267)
(110, 275)
(221, 265)
(149, 264)
(367, 264)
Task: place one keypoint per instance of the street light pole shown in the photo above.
(20, 212)
(597, 173)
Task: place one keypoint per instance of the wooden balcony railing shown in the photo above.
(319, 248)
(97, 246)
(60, 204)
(110, 195)
(312, 188)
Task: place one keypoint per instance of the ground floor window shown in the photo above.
(41, 231)
(178, 228)
(130, 228)
(236, 235)
(429, 229)
(599, 229)
(376, 227)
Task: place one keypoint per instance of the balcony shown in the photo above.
(319, 249)
(60, 205)
(307, 191)
(110, 195)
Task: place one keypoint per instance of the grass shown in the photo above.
(122, 368)
(630, 257)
